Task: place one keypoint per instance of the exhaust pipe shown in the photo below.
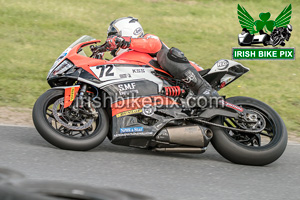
(194, 135)
(181, 150)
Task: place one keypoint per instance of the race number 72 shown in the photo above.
(102, 71)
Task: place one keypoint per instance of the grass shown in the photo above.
(33, 33)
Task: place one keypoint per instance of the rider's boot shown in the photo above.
(204, 93)
(174, 61)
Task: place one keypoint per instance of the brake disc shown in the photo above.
(255, 120)
(58, 115)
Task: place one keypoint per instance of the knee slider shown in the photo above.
(176, 55)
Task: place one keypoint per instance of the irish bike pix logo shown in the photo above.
(264, 32)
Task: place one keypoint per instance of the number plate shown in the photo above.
(104, 72)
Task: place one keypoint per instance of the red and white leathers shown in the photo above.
(171, 60)
(150, 44)
(128, 34)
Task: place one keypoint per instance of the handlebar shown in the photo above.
(98, 49)
(103, 48)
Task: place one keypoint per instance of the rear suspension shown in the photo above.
(173, 91)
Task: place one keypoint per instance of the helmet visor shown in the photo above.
(112, 31)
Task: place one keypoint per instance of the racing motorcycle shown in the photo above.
(133, 102)
(280, 35)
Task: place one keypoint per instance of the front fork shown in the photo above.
(81, 94)
(71, 93)
(78, 92)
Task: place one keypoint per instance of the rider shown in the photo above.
(282, 32)
(125, 34)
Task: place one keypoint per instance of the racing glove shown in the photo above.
(116, 42)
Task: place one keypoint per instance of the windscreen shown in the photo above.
(82, 39)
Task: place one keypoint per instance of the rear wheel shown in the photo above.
(251, 149)
(66, 129)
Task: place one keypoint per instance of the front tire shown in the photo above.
(241, 152)
(44, 123)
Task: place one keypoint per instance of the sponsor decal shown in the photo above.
(129, 112)
(189, 76)
(137, 31)
(264, 31)
(148, 110)
(138, 71)
(134, 134)
(139, 102)
(127, 88)
(72, 95)
(131, 129)
(125, 76)
(229, 105)
(222, 64)
(61, 57)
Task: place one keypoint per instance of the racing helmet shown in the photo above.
(289, 28)
(125, 26)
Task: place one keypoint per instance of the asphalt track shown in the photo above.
(160, 175)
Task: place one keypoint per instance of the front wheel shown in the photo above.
(66, 129)
(251, 149)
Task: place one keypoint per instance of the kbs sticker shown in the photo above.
(129, 112)
(138, 71)
(131, 130)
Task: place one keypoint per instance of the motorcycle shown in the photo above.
(280, 35)
(133, 102)
(246, 39)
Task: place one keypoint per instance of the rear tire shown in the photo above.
(57, 138)
(240, 153)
